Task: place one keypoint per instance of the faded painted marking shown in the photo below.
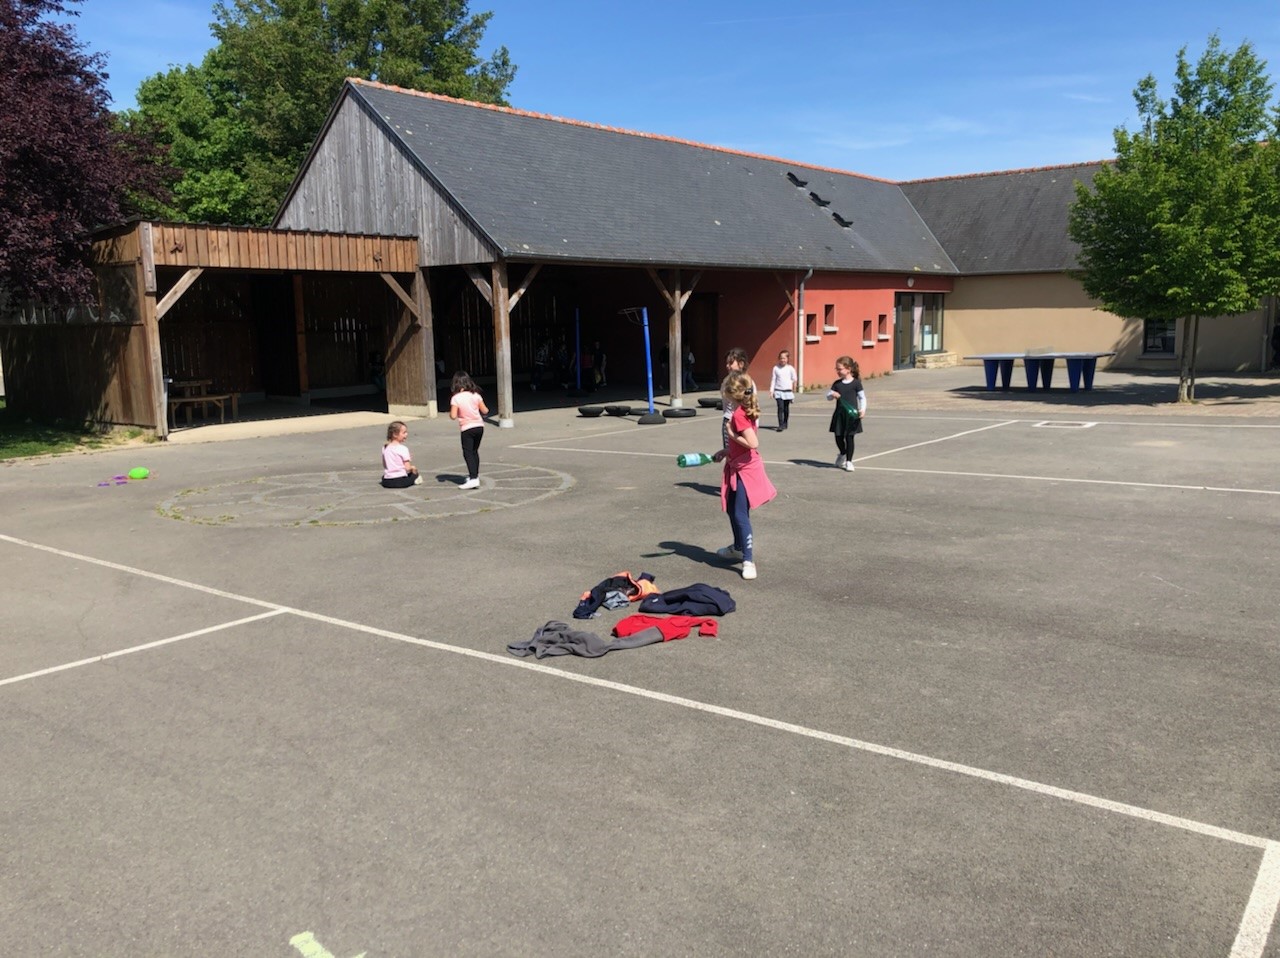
(307, 946)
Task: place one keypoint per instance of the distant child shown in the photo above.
(735, 361)
(851, 406)
(782, 387)
(745, 483)
(398, 470)
(468, 408)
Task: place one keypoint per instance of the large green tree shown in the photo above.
(241, 122)
(1184, 224)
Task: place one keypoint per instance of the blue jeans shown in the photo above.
(739, 509)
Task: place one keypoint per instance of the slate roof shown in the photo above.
(1014, 222)
(543, 188)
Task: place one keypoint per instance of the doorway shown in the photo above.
(917, 327)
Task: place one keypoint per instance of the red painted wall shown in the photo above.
(755, 314)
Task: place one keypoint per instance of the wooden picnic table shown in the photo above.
(189, 393)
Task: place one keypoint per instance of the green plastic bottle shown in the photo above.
(687, 459)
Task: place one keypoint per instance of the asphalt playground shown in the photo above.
(1009, 688)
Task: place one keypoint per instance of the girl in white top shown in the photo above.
(398, 470)
(468, 408)
(782, 387)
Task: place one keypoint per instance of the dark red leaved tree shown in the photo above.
(64, 169)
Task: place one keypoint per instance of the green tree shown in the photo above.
(1183, 225)
(240, 124)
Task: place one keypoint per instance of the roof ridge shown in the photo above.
(1027, 169)
(515, 111)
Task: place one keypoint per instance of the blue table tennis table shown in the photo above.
(1039, 367)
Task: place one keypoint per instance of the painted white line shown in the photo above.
(141, 648)
(1080, 798)
(1260, 913)
(168, 580)
(930, 442)
(1091, 482)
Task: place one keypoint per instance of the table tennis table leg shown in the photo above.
(1032, 367)
(1090, 367)
(1006, 371)
(1074, 367)
(1046, 372)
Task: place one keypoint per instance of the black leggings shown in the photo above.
(399, 482)
(784, 412)
(845, 444)
(471, 450)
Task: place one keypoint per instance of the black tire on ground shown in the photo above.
(680, 412)
(618, 410)
(711, 403)
(591, 410)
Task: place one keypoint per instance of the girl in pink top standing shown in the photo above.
(468, 408)
(745, 483)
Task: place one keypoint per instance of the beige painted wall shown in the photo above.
(990, 314)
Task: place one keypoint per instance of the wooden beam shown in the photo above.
(422, 296)
(148, 257)
(404, 297)
(502, 345)
(693, 283)
(481, 283)
(175, 294)
(659, 282)
(153, 357)
(524, 284)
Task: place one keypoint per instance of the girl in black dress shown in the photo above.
(851, 406)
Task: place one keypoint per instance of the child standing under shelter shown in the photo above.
(745, 483)
(851, 406)
(782, 387)
(398, 470)
(466, 405)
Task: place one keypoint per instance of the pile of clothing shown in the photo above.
(663, 616)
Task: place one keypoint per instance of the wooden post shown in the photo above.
(146, 267)
(300, 332)
(502, 345)
(422, 296)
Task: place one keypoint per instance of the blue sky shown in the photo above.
(897, 90)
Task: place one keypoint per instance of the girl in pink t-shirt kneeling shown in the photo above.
(468, 408)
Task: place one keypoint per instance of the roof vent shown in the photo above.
(841, 220)
(796, 180)
(818, 199)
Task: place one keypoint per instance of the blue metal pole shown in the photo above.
(648, 357)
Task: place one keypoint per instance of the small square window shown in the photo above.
(868, 334)
(1159, 335)
(829, 319)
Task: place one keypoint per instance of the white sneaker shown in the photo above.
(748, 570)
(417, 480)
(729, 552)
(848, 466)
(470, 484)
(840, 461)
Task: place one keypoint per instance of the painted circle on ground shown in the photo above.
(356, 498)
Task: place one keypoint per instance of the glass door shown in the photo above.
(904, 335)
